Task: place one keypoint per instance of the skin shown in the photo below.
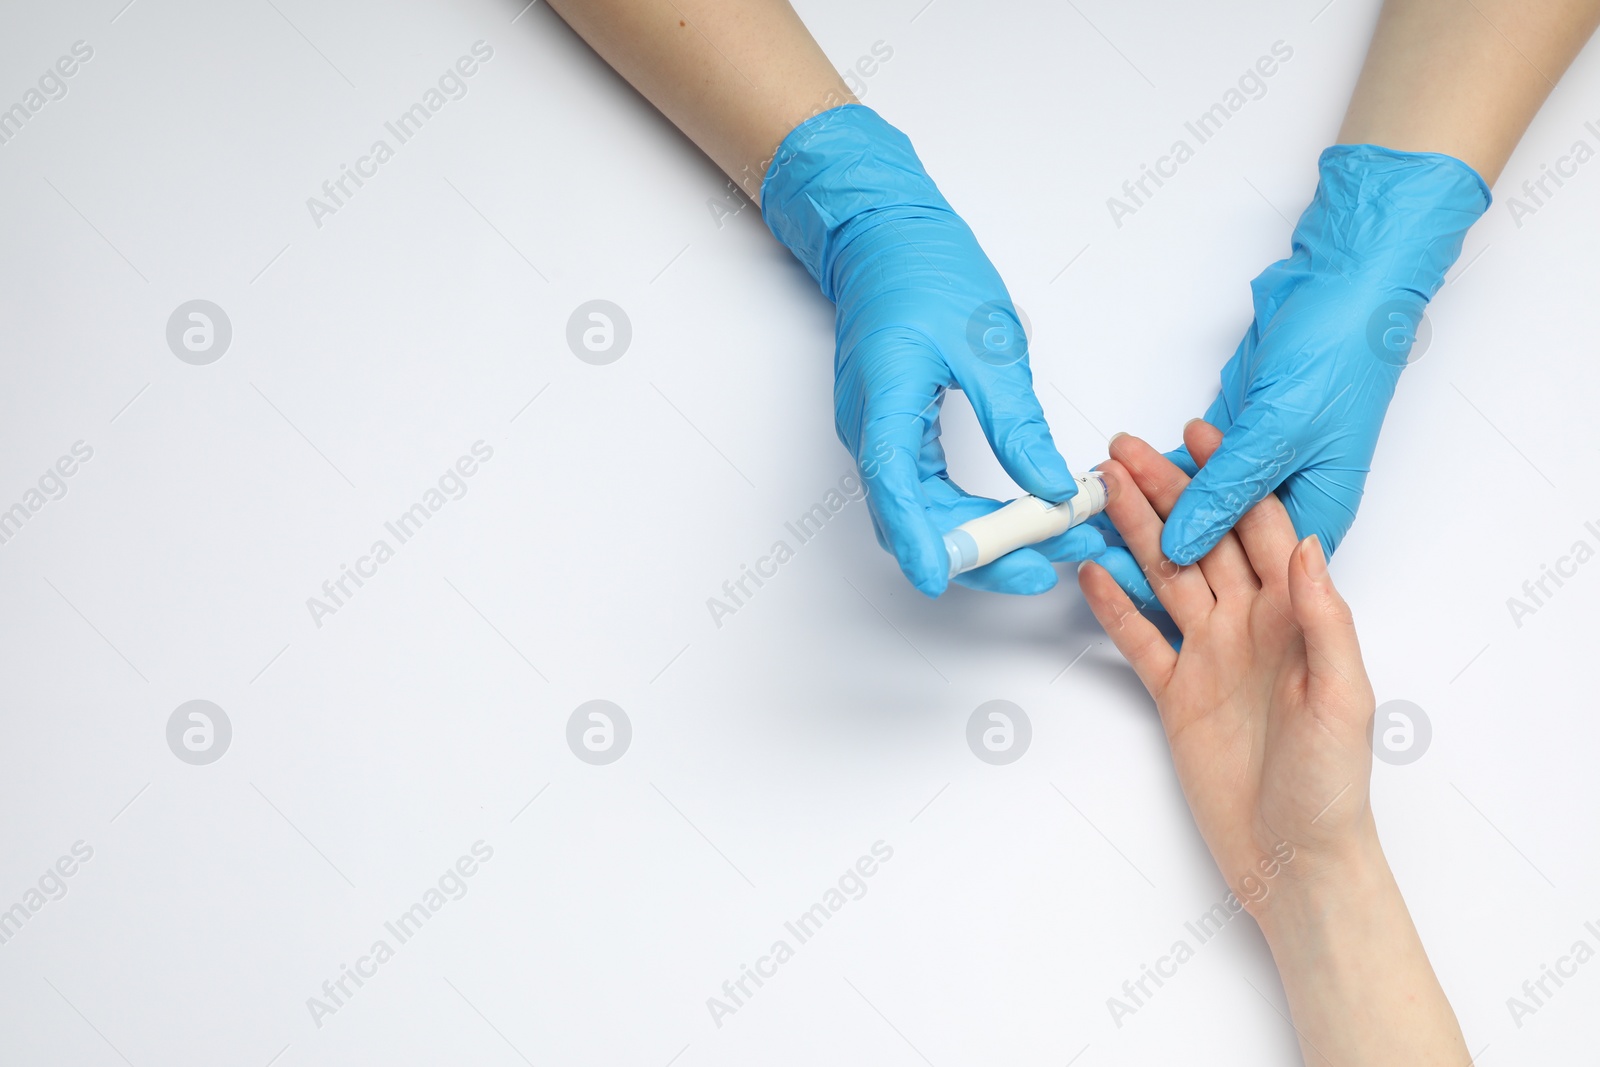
(734, 77)
(1464, 77)
(1267, 710)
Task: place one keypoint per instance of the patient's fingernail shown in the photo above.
(1316, 563)
(1119, 433)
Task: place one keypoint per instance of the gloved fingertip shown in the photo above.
(917, 548)
(927, 571)
(1079, 543)
(1043, 584)
(1051, 479)
(1193, 527)
(1025, 572)
(1176, 547)
(931, 580)
(1061, 492)
(1184, 543)
(1030, 456)
(1329, 538)
(1034, 580)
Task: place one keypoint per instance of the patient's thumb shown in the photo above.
(1332, 652)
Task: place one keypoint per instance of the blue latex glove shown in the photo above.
(920, 310)
(1304, 396)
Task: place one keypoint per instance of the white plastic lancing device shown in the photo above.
(1025, 521)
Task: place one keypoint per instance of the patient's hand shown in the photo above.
(1267, 709)
(1267, 705)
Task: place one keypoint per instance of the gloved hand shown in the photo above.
(1304, 396)
(920, 310)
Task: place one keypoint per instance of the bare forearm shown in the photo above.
(1361, 990)
(1464, 77)
(734, 75)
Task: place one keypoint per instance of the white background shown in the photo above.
(827, 714)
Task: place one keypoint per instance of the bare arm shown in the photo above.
(735, 77)
(1359, 984)
(1464, 77)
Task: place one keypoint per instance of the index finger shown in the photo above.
(1265, 530)
(1182, 590)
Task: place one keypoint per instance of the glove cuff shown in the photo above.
(832, 178)
(1395, 217)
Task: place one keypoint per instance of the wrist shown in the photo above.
(1358, 981)
(1326, 888)
(1396, 219)
(836, 175)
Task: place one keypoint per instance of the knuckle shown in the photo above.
(1334, 610)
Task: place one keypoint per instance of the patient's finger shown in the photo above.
(1265, 531)
(1181, 590)
(1158, 478)
(1125, 569)
(1135, 636)
(1226, 568)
